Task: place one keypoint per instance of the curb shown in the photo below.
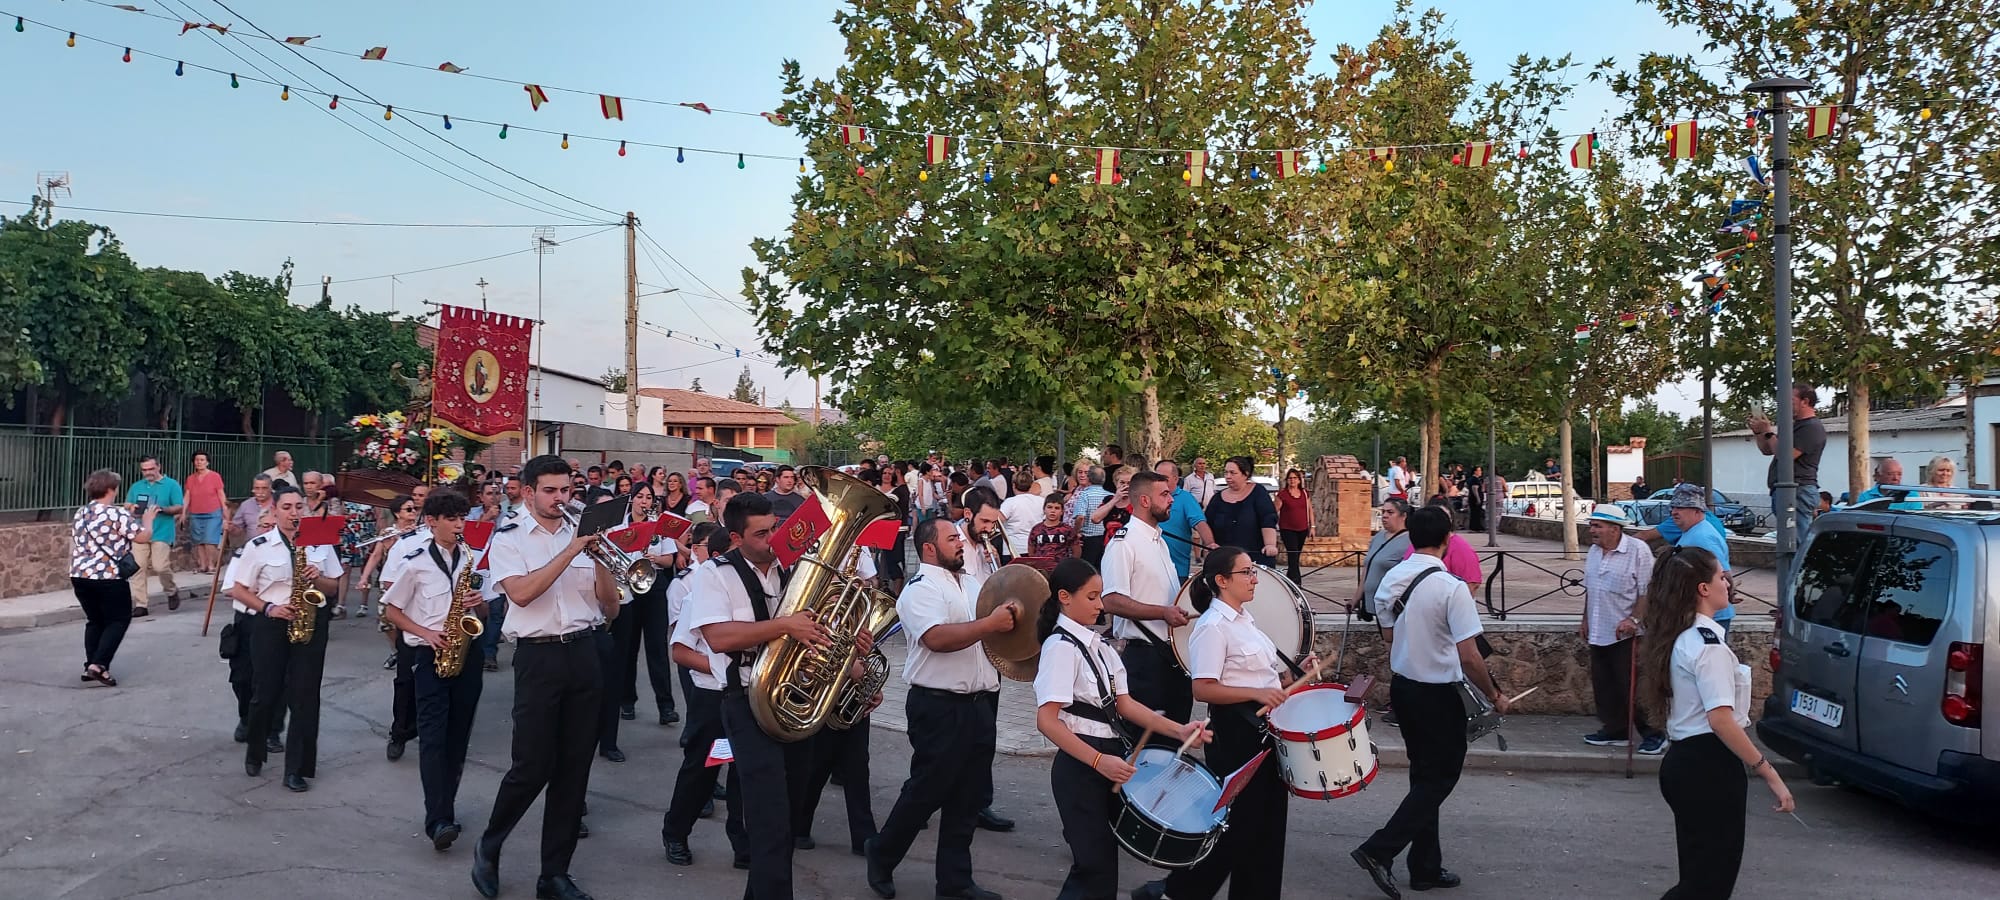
(41, 618)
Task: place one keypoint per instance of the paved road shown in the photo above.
(138, 792)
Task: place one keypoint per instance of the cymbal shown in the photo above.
(1016, 671)
(1028, 587)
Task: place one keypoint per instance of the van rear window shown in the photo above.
(1911, 582)
(1831, 586)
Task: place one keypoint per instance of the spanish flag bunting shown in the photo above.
(189, 26)
(777, 119)
(1582, 333)
(1288, 163)
(376, 53)
(218, 29)
(613, 107)
(1375, 153)
(937, 148)
(853, 134)
(1580, 152)
(1628, 321)
(1820, 120)
(1107, 167)
(450, 67)
(301, 41)
(1682, 138)
(1478, 154)
(699, 106)
(536, 96)
(1197, 168)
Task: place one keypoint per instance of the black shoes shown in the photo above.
(558, 887)
(721, 791)
(296, 785)
(139, 612)
(993, 821)
(669, 717)
(707, 810)
(679, 854)
(582, 829)
(880, 878)
(274, 744)
(485, 871)
(969, 892)
(1151, 890)
(442, 837)
(253, 769)
(1445, 878)
(395, 749)
(242, 733)
(742, 861)
(173, 601)
(614, 754)
(1380, 871)
(627, 713)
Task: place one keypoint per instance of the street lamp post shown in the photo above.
(1784, 488)
(544, 243)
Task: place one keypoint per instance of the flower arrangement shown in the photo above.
(389, 442)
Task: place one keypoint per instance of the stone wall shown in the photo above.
(1744, 552)
(1343, 518)
(1545, 654)
(36, 556)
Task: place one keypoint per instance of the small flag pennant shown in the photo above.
(1628, 321)
(536, 96)
(218, 29)
(613, 107)
(937, 149)
(1682, 138)
(1478, 154)
(1288, 163)
(699, 106)
(1754, 167)
(1820, 121)
(1581, 152)
(450, 67)
(853, 134)
(376, 53)
(189, 26)
(1381, 153)
(1197, 167)
(777, 119)
(1106, 171)
(301, 41)
(1582, 333)
(128, 7)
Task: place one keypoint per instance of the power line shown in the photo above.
(712, 294)
(266, 221)
(465, 263)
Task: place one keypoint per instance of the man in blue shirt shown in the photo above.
(155, 489)
(1186, 524)
(1689, 509)
(1889, 472)
(1086, 500)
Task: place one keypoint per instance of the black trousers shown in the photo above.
(768, 774)
(1093, 549)
(286, 675)
(951, 774)
(1251, 853)
(1432, 718)
(242, 668)
(650, 631)
(845, 752)
(403, 699)
(611, 661)
(1706, 787)
(1295, 546)
(557, 691)
(107, 613)
(694, 784)
(1157, 679)
(1084, 803)
(445, 707)
(1611, 681)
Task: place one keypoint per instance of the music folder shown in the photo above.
(598, 518)
(1238, 780)
(320, 531)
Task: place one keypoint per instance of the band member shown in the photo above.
(1431, 624)
(650, 629)
(403, 697)
(1691, 672)
(730, 606)
(560, 602)
(420, 605)
(702, 671)
(236, 636)
(1139, 588)
(952, 704)
(1081, 701)
(284, 674)
(986, 550)
(620, 644)
(1237, 672)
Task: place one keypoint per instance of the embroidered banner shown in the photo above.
(481, 375)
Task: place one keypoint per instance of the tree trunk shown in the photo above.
(1432, 429)
(248, 430)
(1278, 446)
(58, 413)
(1858, 474)
(1565, 434)
(1149, 432)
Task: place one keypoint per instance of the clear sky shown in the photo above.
(135, 137)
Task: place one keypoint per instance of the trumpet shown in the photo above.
(632, 571)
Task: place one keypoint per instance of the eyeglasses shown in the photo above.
(1249, 571)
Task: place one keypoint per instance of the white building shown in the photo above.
(1912, 436)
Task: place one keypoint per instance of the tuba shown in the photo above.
(306, 601)
(796, 689)
(460, 626)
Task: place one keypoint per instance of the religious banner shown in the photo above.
(481, 375)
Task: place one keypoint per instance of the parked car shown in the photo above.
(1734, 515)
(1880, 658)
(723, 467)
(1647, 513)
(1541, 499)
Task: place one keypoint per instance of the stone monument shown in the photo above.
(1343, 519)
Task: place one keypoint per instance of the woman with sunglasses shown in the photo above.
(1691, 672)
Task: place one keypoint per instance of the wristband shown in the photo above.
(1760, 763)
(1096, 759)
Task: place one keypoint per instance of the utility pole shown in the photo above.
(1784, 484)
(544, 243)
(631, 322)
(1492, 482)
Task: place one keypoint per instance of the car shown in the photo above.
(1645, 513)
(1734, 515)
(1269, 483)
(1540, 498)
(1879, 657)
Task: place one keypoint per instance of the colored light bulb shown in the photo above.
(447, 123)
(285, 92)
(1187, 175)
(621, 148)
(1256, 173)
(503, 131)
(1388, 165)
(72, 39)
(335, 104)
(923, 174)
(1322, 167)
(802, 165)
(388, 113)
(19, 25)
(565, 142)
(233, 82)
(1923, 115)
(179, 68)
(1052, 178)
(860, 171)
(128, 54)
(1524, 149)
(988, 177)
(739, 160)
(680, 155)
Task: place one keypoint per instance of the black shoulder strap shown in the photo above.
(760, 606)
(1404, 600)
(1106, 709)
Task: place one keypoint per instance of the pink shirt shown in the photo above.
(1459, 559)
(204, 492)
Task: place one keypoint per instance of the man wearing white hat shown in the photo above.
(1615, 575)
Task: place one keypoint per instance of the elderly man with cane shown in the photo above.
(1615, 575)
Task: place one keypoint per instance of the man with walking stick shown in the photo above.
(1615, 575)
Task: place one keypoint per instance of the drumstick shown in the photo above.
(1191, 738)
(1517, 697)
(1144, 736)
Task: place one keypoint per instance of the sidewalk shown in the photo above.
(58, 607)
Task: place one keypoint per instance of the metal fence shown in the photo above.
(41, 471)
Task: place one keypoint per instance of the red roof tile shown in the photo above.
(691, 408)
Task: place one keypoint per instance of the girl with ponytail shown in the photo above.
(1081, 703)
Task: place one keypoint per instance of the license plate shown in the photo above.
(1826, 712)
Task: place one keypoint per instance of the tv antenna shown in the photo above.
(52, 185)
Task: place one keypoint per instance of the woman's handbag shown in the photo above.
(128, 566)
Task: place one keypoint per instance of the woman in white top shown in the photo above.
(1690, 671)
(1237, 671)
(1081, 697)
(1020, 512)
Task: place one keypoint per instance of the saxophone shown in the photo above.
(460, 627)
(306, 601)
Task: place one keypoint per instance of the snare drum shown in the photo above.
(1278, 609)
(1323, 745)
(1166, 813)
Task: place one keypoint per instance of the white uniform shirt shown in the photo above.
(1065, 677)
(1703, 676)
(423, 592)
(1019, 515)
(1227, 646)
(934, 597)
(677, 596)
(1138, 565)
(1612, 585)
(718, 595)
(522, 545)
(980, 563)
(399, 553)
(1439, 615)
(265, 567)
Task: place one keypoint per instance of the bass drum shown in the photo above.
(1279, 609)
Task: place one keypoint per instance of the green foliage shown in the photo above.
(746, 387)
(613, 379)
